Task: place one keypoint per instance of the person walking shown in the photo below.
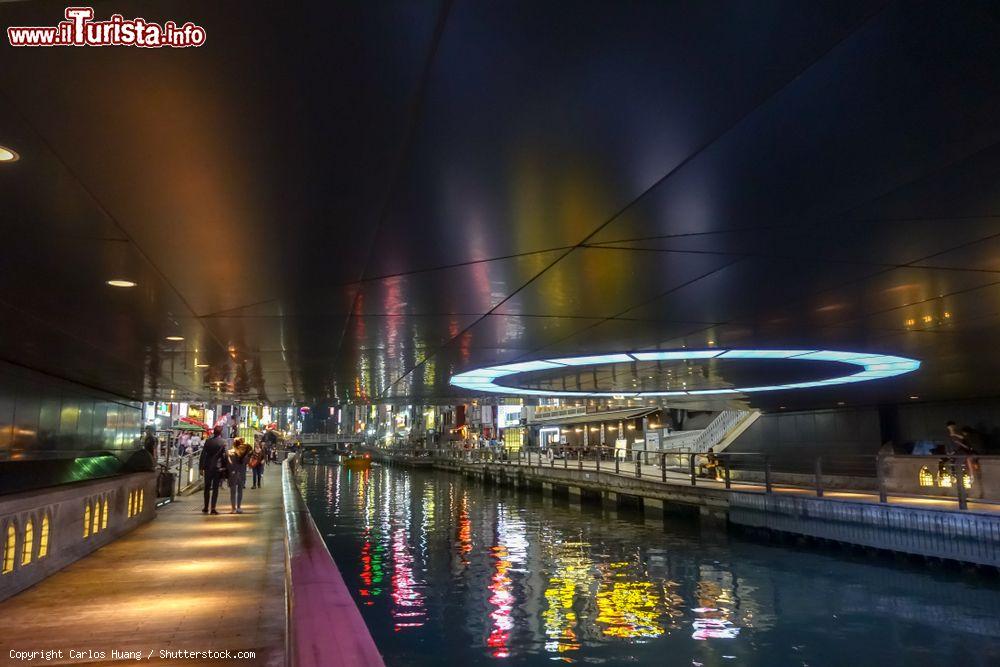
(238, 457)
(257, 461)
(211, 465)
(149, 442)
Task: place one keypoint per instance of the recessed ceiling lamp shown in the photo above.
(121, 282)
(201, 365)
(871, 367)
(174, 339)
(8, 154)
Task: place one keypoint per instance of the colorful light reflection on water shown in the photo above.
(446, 570)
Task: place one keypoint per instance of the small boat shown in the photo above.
(357, 461)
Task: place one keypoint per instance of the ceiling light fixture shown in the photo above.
(175, 339)
(121, 282)
(8, 154)
(872, 367)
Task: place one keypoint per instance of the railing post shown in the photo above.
(579, 459)
(180, 473)
(819, 476)
(663, 467)
(767, 474)
(880, 480)
(617, 461)
(694, 479)
(960, 470)
(598, 458)
(638, 466)
(725, 470)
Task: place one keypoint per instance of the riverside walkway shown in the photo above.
(924, 526)
(184, 581)
(628, 471)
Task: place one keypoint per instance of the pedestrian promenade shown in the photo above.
(651, 473)
(184, 581)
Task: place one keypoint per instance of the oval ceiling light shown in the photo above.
(174, 339)
(871, 367)
(121, 282)
(8, 154)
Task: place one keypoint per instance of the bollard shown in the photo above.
(725, 470)
(694, 479)
(638, 466)
(598, 459)
(616, 461)
(663, 467)
(579, 459)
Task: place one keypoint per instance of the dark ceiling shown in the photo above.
(356, 200)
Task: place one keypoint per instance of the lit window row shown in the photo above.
(95, 516)
(28, 545)
(946, 477)
(136, 502)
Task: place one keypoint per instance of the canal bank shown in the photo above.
(915, 526)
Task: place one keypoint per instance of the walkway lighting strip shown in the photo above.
(872, 367)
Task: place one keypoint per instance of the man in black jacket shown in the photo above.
(210, 465)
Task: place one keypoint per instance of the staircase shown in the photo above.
(724, 429)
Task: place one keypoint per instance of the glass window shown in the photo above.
(86, 520)
(142, 499)
(43, 538)
(29, 542)
(8, 549)
(96, 518)
(104, 514)
(131, 502)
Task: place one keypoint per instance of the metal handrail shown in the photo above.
(716, 431)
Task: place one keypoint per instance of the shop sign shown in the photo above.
(508, 416)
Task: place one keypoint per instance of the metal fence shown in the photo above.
(956, 479)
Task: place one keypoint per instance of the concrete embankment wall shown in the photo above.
(969, 537)
(325, 627)
(43, 531)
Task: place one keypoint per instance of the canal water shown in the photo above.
(450, 572)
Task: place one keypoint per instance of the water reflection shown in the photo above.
(445, 570)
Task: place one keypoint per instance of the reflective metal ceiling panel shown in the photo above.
(359, 200)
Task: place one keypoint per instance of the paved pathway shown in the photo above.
(182, 581)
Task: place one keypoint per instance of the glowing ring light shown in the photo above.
(872, 367)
